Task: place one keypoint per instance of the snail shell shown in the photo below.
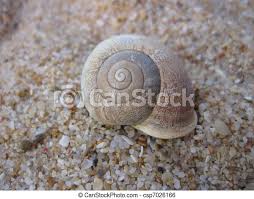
(127, 63)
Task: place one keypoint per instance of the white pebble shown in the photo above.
(107, 175)
(177, 184)
(121, 177)
(97, 184)
(207, 116)
(180, 174)
(88, 186)
(221, 127)
(87, 163)
(130, 131)
(232, 152)
(248, 98)
(104, 150)
(126, 139)
(141, 151)
(193, 150)
(11, 125)
(2, 176)
(64, 141)
(40, 131)
(140, 184)
(202, 107)
(101, 145)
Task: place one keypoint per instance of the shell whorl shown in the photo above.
(125, 63)
(125, 72)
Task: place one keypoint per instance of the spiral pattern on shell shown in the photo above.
(124, 72)
(124, 63)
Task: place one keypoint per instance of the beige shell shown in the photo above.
(125, 64)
